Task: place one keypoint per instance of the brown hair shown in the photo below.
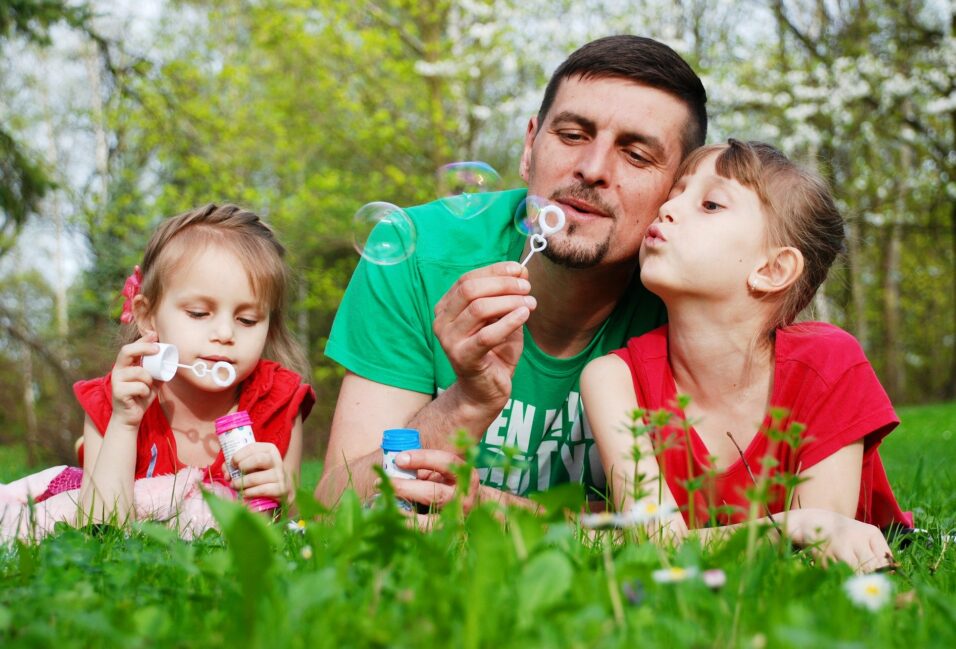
(253, 241)
(800, 209)
(641, 60)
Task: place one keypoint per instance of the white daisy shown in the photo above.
(640, 514)
(297, 526)
(674, 574)
(869, 591)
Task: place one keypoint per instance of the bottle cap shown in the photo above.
(228, 422)
(400, 439)
(262, 504)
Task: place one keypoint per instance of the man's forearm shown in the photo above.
(439, 420)
(357, 474)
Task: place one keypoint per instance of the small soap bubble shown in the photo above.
(537, 215)
(465, 187)
(383, 233)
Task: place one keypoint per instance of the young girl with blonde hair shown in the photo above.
(214, 283)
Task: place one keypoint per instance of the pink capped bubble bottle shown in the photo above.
(234, 432)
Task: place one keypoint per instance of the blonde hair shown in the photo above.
(800, 209)
(253, 241)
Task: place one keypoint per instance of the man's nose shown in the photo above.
(593, 165)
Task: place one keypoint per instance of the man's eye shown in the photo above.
(571, 136)
(636, 157)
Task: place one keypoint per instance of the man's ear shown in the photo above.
(144, 322)
(782, 267)
(525, 166)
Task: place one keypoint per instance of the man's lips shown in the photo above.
(581, 207)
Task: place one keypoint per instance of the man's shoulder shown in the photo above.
(447, 233)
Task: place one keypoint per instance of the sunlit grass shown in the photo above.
(359, 577)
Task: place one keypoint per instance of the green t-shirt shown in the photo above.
(383, 332)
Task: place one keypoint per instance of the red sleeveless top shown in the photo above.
(272, 395)
(822, 379)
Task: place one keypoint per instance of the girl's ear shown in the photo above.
(781, 268)
(144, 321)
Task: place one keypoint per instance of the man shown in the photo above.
(461, 337)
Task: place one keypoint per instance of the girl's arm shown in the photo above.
(109, 461)
(824, 505)
(608, 394)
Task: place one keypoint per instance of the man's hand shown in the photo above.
(479, 325)
(437, 483)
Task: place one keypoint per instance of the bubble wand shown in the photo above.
(538, 240)
(164, 365)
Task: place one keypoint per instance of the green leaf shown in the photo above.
(544, 581)
(566, 497)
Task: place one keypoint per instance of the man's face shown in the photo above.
(606, 154)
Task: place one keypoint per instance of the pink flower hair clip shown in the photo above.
(130, 290)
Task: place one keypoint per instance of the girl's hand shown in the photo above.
(263, 473)
(132, 386)
(834, 537)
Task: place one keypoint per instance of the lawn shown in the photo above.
(358, 577)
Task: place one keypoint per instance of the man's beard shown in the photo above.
(575, 254)
(571, 254)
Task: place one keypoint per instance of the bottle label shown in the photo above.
(231, 441)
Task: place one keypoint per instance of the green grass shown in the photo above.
(359, 577)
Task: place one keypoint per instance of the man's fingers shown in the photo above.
(477, 285)
(436, 460)
(473, 348)
(426, 493)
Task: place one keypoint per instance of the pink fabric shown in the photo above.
(174, 499)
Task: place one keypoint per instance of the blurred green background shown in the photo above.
(114, 115)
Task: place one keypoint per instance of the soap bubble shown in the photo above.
(465, 187)
(383, 233)
(537, 215)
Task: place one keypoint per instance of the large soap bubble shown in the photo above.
(465, 187)
(383, 233)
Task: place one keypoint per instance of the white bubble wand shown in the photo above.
(539, 240)
(164, 365)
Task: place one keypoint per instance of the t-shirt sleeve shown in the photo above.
(382, 330)
(855, 407)
(96, 398)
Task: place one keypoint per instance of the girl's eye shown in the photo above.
(711, 206)
(196, 314)
(249, 322)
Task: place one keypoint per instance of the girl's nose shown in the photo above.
(223, 330)
(666, 213)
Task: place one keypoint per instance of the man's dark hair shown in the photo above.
(644, 61)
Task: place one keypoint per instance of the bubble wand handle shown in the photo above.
(538, 243)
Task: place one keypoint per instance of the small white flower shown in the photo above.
(599, 520)
(673, 575)
(643, 512)
(869, 591)
(715, 578)
(297, 526)
(648, 511)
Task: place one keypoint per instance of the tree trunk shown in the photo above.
(893, 369)
(854, 262)
(29, 404)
